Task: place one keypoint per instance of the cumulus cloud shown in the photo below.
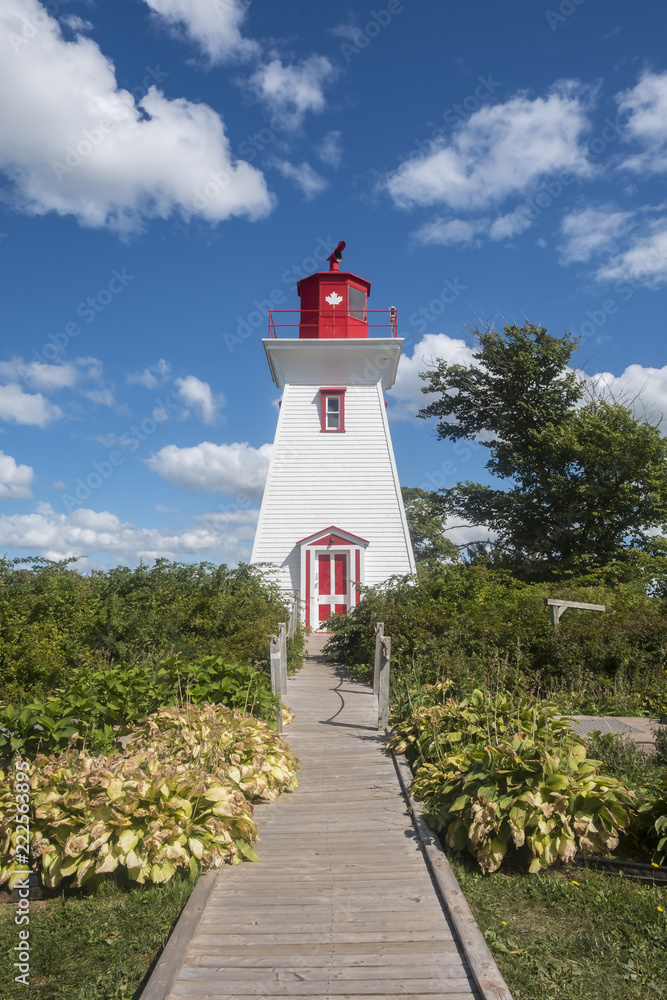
(214, 25)
(72, 142)
(330, 150)
(502, 150)
(406, 392)
(15, 479)
(199, 396)
(21, 407)
(92, 533)
(151, 376)
(38, 375)
(646, 108)
(642, 389)
(294, 90)
(232, 469)
(591, 231)
(643, 261)
(303, 176)
(450, 232)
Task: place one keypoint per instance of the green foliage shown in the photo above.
(588, 481)
(225, 743)
(55, 620)
(435, 732)
(100, 703)
(651, 822)
(179, 797)
(139, 813)
(518, 793)
(426, 522)
(481, 627)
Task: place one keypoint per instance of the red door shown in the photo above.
(332, 584)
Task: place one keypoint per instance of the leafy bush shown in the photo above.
(54, 619)
(651, 822)
(178, 797)
(435, 731)
(225, 744)
(97, 700)
(136, 813)
(518, 793)
(480, 626)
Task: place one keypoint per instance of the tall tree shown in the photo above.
(427, 525)
(588, 481)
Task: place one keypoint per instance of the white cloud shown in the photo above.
(199, 396)
(73, 143)
(406, 392)
(76, 23)
(646, 107)
(21, 407)
(642, 389)
(507, 226)
(450, 232)
(233, 469)
(645, 261)
(151, 376)
(213, 24)
(294, 90)
(39, 375)
(305, 178)
(591, 231)
(14, 479)
(89, 532)
(502, 150)
(330, 150)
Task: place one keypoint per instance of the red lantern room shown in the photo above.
(334, 303)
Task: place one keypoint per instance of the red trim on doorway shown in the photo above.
(357, 573)
(307, 588)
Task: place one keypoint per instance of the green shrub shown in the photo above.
(651, 822)
(485, 800)
(137, 813)
(435, 731)
(225, 743)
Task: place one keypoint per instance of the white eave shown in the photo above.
(359, 361)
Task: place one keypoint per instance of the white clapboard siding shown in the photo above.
(344, 479)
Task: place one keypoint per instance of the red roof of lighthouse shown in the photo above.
(333, 302)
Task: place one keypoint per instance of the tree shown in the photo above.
(425, 520)
(589, 481)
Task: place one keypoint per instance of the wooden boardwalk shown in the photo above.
(341, 903)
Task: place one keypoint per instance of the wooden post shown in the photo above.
(282, 635)
(557, 607)
(383, 683)
(379, 632)
(291, 624)
(274, 658)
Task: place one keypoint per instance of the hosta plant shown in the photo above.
(139, 813)
(488, 799)
(225, 743)
(651, 822)
(437, 730)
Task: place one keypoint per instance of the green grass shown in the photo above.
(571, 934)
(92, 947)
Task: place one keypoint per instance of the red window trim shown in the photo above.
(324, 395)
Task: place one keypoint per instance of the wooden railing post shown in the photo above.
(379, 632)
(276, 677)
(291, 623)
(383, 683)
(282, 635)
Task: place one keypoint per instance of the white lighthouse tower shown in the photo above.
(332, 516)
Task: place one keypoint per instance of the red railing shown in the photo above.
(333, 319)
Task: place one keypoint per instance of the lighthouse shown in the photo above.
(332, 517)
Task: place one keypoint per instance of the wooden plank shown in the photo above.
(551, 602)
(316, 988)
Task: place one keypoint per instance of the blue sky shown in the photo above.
(170, 168)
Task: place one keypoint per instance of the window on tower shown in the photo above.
(332, 410)
(357, 303)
